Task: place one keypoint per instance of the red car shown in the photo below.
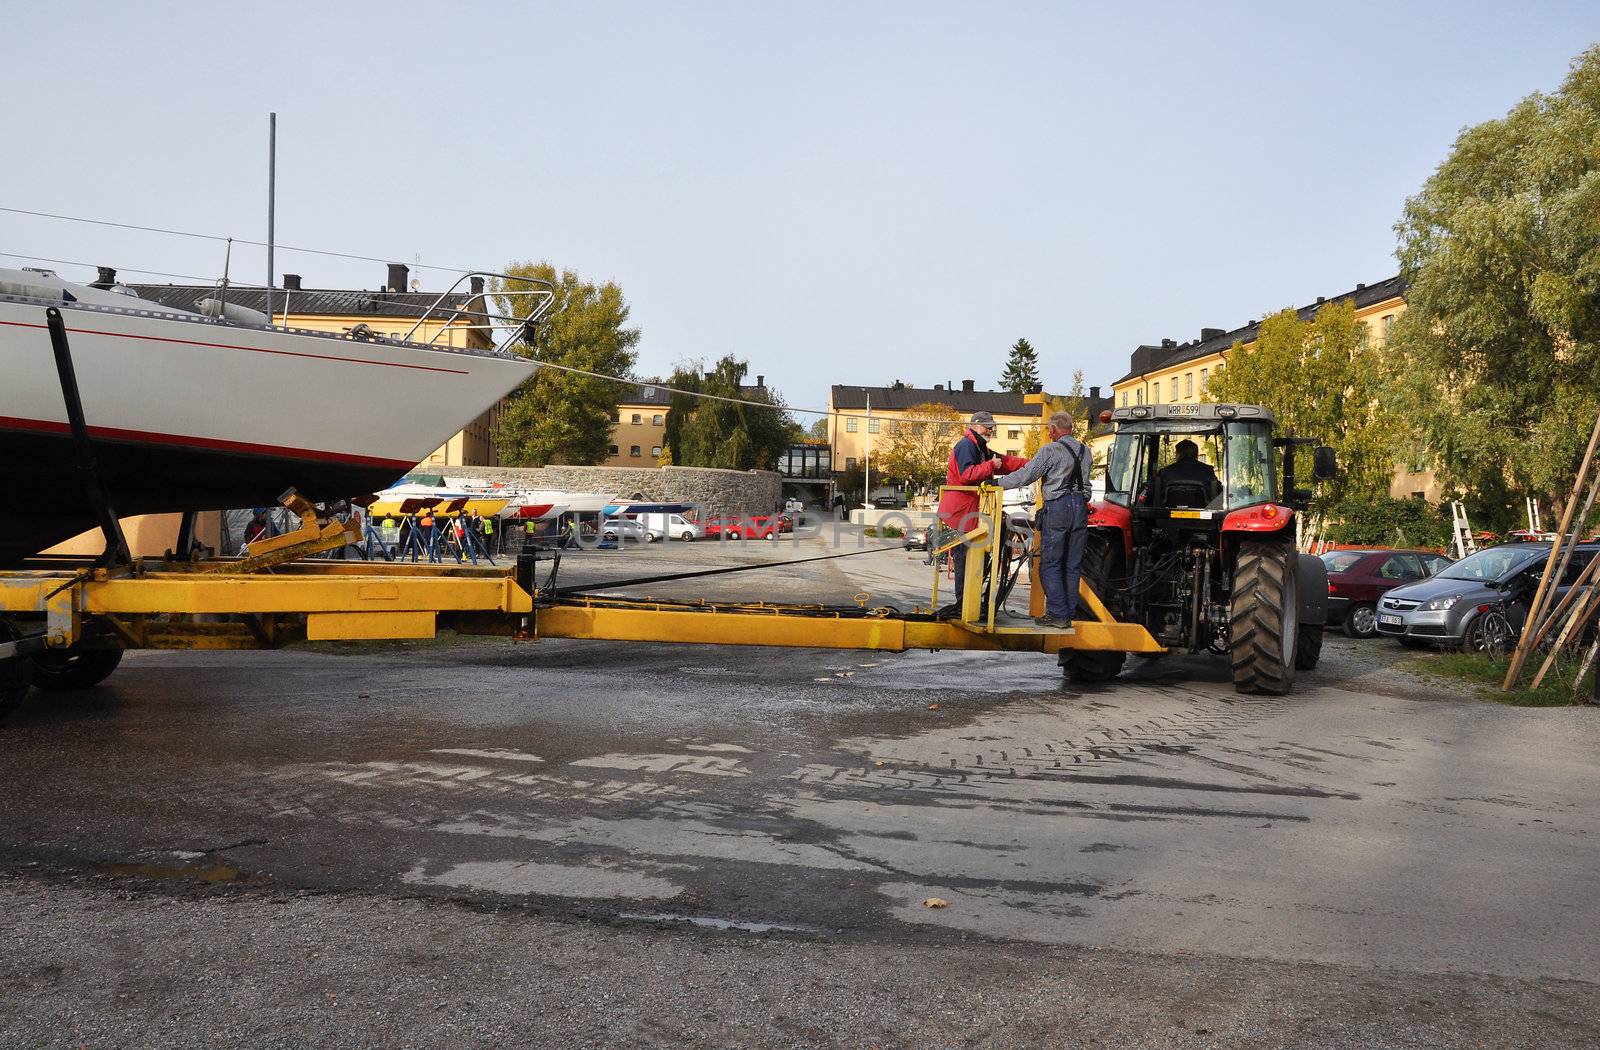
(733, 527)
(1358, 578)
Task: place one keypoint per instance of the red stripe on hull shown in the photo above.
(145, 437)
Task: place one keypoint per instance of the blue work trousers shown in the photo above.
(1066, 526)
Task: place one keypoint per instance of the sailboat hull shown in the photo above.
(191, 414)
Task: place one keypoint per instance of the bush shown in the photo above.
(1388, 522)
(893, 532)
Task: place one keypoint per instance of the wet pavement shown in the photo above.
(1372, 821)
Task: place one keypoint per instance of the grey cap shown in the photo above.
(981, 419)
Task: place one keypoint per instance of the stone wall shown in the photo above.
(714, 491)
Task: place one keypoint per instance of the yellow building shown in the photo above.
(638, 437)
(862, 420)
(391, 310)
(1172, 372)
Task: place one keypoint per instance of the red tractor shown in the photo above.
(1207, 566)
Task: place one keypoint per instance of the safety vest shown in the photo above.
(488, 526)
(388, 523)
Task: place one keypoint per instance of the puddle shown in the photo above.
(707, 922)
(212, 873)
(556, 880)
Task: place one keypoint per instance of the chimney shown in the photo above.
(710, 376)
(1359, 287)
(1321, 300)
(1168, 344)
(477, 285)
(398, 274)
(966, 386)
(1094, 393)
(1209, 333)
(291, 282)
(106, 278)
(761, 381)
(938, 386)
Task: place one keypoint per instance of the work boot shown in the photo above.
(1053, 622)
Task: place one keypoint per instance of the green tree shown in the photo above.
(1385, 521)
(558, 416)
(819, 430)
(685, 382)
(1073, 402)
(1501, 335)
(1022, 368)
(1323, 379)
(723, 430)
(918, 450)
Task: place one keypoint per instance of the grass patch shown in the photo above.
(1486, 674)
(892, 532)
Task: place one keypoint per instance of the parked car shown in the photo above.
(917, 538)
(735, 526)
(626, 529)
(786, 522)
(1447, 608)
(671, 526)
(1358, 578)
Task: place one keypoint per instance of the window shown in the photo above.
(619, 416)
(655, 450)
(637, 419)
(633, 450)
(1203, 373)
(1139, 396)
(873, 425)
(852, 424)
(613, 450)
(1388, 323)
(849, 462)
(1155, 392)
(1124, 399)
(658, 420)
(1188, 384)
(1013, 434)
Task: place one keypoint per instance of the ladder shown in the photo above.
(1535, 521)
(1462, 542)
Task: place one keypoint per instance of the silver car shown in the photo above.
(621, 529)
(1444, 609)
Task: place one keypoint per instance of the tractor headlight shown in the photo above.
(1441, 604)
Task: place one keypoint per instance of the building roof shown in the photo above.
(1169, 353)
(900, 397)
(311, 302)
(650, 394)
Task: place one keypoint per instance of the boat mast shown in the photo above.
(272, 185)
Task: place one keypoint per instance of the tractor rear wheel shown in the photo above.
(1265, 618)
(1102, 570)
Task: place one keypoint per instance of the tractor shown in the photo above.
(1207, 567)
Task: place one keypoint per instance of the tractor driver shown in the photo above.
(1177, 484)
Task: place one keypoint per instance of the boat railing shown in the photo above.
(473, 314)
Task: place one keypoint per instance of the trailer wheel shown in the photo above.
(64, 670)
(1102, 570)
(1308, 647)
(15, 673)
(1264, 618)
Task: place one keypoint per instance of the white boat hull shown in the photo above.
(191, 414)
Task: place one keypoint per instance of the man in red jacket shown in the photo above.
(971, 463)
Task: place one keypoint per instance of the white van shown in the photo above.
(671, 526)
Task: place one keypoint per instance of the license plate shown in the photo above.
(1391, 619)
(1183, 410)
(1188, 514)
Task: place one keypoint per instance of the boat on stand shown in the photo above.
(216, 407)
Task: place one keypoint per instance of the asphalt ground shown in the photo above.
(604, 843)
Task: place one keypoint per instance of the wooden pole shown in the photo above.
(1578, 588)
(1546, 584)
(1580, 615)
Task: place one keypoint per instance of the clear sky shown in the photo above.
(838, 192)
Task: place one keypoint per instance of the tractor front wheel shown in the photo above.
(1264, 618)
(1103, 571)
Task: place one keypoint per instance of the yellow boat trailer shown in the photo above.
(275, 597)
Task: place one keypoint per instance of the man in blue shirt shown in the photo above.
(1064, 464)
